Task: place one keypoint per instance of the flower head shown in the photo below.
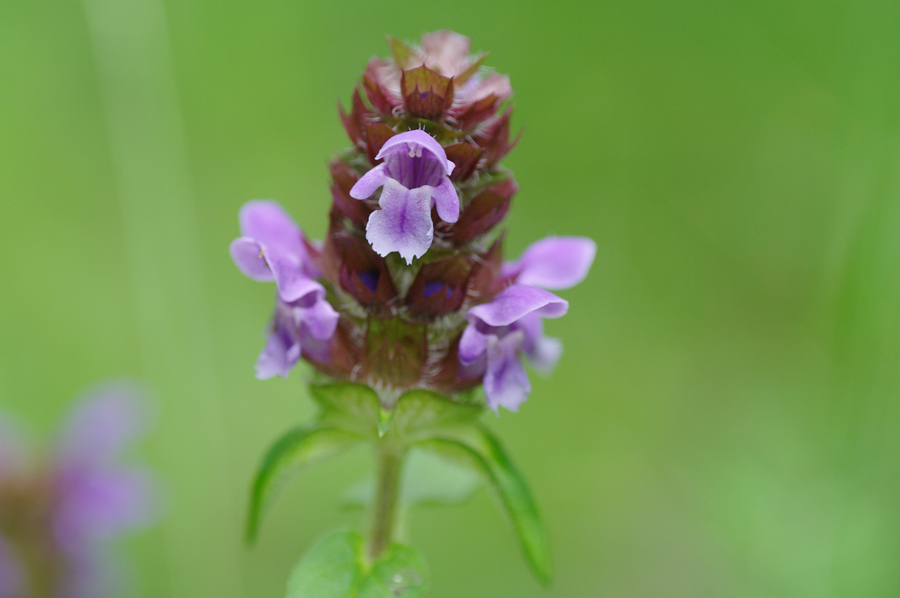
(415, 177)
(422, 179)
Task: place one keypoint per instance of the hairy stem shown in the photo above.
(387, 491)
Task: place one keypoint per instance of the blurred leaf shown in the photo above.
(427, 481)
(336, 568)
(290, 453)
(331, 569)
(420, 412)
(477, 448)
(399, 573)
(349, 406)
(430, 480)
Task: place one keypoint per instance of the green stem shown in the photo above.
(387, 491)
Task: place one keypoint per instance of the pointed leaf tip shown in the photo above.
(292, 452)
(477, 448)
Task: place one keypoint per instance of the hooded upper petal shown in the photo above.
(414, 144)
(553, 263)
(514, 303)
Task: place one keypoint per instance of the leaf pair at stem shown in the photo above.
(351, 414)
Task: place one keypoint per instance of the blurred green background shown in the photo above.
(726, 418)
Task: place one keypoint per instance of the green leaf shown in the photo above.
(349, 406)
(331, 569)
(336, 567)
(290, 453)
(420, 412)
(477, 448)
(398, 573)
(427, 480)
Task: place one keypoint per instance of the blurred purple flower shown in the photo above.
(273, 248)
(11, 574)
(62, 513)
(500, 331)
(415, 175)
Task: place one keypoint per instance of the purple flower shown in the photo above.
(499, 331)
(63, 511)
(273, 248)
(415, 176)
(100, 498)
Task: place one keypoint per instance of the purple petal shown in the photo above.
(272, 241)
(369, 183)
(543, 351)
(554, 262)
(99, 505)
(277, 358)
(296, 287)
(410, 141)
(471, 345)
(403, 223)
(515, 302)
(320, 319)
(101, 426)
(318, 350)
(247, 255)
(268, 223)
(282, 350)
(446, 201)
(505, 382)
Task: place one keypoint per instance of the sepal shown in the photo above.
(440, 286)
(484, 211)
(350, 262)
(466, 157)
(426, 94)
